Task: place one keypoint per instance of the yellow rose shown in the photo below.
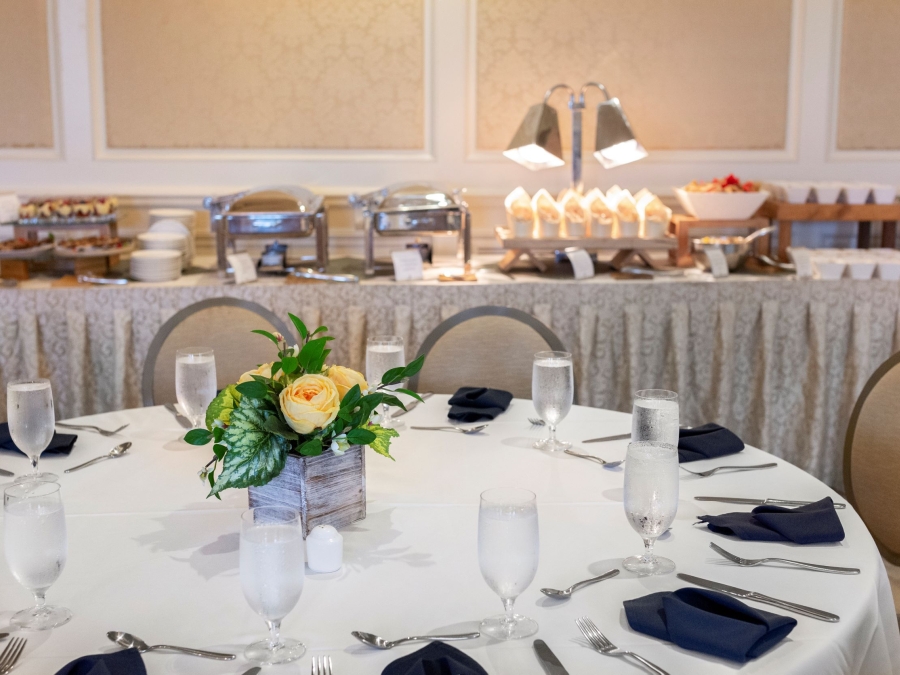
(265, 370)
(310, 402)
(345, 378)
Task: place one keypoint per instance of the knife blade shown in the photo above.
(412, 405)
(4, 472)
(548, 659)
(620, 437)
(761, 502)
(182, 420)
(759, 597)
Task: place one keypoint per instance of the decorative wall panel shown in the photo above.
(691, 74)
(26, 106)
(324, 74)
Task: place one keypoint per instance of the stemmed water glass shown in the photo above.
(195, 382)
(272, 572)
(508, 547)
(29, 409)
(651, 501)
(655, 416)
(34, 540)
(384, 352)
(552, 391)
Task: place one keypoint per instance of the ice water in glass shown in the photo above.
(552, 392)
(195, 382)
(272, 572)
(34, 541)
(508, 550)
(29, 410)
(655, 416)
(651, 501)
(384, 352)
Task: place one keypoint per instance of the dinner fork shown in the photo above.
(11, 654)
(599, 642)
(745, 562)
(536, 421)
(88, 427)
(321, 665)
(710, 472)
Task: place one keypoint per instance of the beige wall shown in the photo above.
(264, 74)
(26, 108)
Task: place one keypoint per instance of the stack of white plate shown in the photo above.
(166, 241)
(156, 265)
(173, 226)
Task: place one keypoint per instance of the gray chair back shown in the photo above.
(484, 347)
(223, 324)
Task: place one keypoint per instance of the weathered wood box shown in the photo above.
(327, 490)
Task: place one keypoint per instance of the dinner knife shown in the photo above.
(759, 597)
(762, 502)
(411, 405)
(4, 472)
(548, 659)
(182, 420)
(620, 437)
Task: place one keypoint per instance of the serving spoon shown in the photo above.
(554, 593)
(129, 641)
(381, 643)
(117, 451)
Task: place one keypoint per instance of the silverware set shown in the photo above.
(89, 427)
(594, 458)
(710, 472)
(602, 644)
(459, 430)
(321, 665)
(10, 656)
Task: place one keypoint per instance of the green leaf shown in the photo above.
(351, 397)
(252, 389)
(276, 426)
(311, 354)
(382, 442)
(198, 437)
(276, 366)
(410, 392)
(394, 401)
(289, 364)
(320, 329)
(361, 436)
(300, 326)
(220, 450)
(218, 432)
(267, 334)
(212, 483)
(413, 367)
(392, 376)
(222, 405)
(255, 456)
(311, 448)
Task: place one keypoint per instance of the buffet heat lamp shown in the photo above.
(285, 212)
(412, 209)
(537, 145)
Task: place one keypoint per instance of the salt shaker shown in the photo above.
(324, 549)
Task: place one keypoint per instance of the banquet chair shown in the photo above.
(872, 458)
(223, 324)
(484, 347)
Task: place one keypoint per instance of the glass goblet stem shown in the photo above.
(274, 634)
(648, 549)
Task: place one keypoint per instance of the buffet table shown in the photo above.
(148, 555)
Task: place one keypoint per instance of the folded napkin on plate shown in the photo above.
(127, 662)
(708, 622)
(471, 404)
(60, 443)
(437, 658)
(814, 523)
(707, 442)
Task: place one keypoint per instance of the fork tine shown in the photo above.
(314, 669)
(601, 636)
(328, 664)
(16, 656)
(587, 633)
(11, 654)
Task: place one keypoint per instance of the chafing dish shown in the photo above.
(282, 212)
(735, 249)
(412, 209)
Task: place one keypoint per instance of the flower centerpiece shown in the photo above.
(292, 411)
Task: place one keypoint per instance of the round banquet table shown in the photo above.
(148, 554)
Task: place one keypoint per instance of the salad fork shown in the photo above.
(10, 656)
(745, 562)
(89, 427)
(599, 642)
(710, 472)
(321, 665)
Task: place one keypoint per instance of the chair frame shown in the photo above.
(891, 555)
(447, 325)
(166, 329)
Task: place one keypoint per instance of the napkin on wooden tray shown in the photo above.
(814, 523)
(436, 658)
(126, 662)
(61, 444)
(707, 442)
(709, 622)
(472, 404)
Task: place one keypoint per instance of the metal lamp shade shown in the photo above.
(616, 144)
(537, 144)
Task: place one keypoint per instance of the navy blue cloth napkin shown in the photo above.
(61, 444)
(814, 523)
(126, 662)
(708, 622)
(471, 404)
(707, 442)
(437, 658)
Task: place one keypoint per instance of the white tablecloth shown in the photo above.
(149, 555)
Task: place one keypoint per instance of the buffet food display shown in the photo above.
(67, 210)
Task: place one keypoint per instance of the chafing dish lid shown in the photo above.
(276, 199)
(407, 197)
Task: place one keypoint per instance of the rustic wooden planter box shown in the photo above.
(327, 490)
